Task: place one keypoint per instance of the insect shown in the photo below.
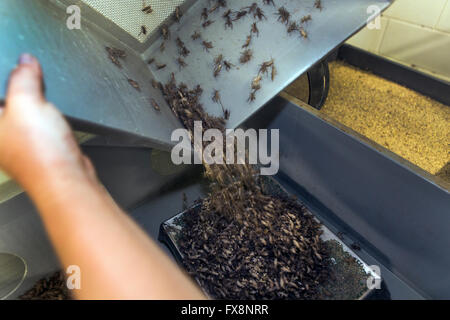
(283, 15)
(292, 27)
(155, 105)
(303, 32)
(246, 56)
(165, 32)
(259, 14)
(147, 9)
(268, 2)
(205, 13)
(185, 204)
(247, 42)
(240, 14)
(263, 68)
(207, 23)
(251, 8)
(256, 83)
(274, 72)
(252, 97)
(318, 4)
(156, 84)
(160, 66)
(355, 246)
(134, 84)
(196, 35)
(207, 45)
(181, 62)
(220, 3)
(151, 61)
(217, 70)
(228, 20)
(143, 30)
(162, 46)
(178, 14)
(216, 99)
(114, 55)
(306, 19)
(227, 65)
(255, 29)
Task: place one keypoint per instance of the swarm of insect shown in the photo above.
(165, 32)
(246, 56)
(178, 14)
(196, 35)
(181, 62)
(254, 29)
(155, 105)
(115, 54)
(134, 84)
(283, 15)
(247, 41)
(207, 23)
(207, 45)
(318, 4)
(306, 19)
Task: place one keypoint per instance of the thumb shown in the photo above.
(25, 82)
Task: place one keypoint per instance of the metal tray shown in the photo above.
(170, 231)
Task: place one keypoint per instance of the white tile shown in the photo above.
(444, 21)
(411, 44)
(421, 12)
(369, 39)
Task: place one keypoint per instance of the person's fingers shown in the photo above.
(25, 81)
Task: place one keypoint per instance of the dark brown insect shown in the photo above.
(116, 54)
(293, 26)
(151, 60)
(207, 45)
(259, 14)
(255, 29)
(246, 56)
(227, 114)
(143, 30)
(181, 62)
(155, 105)
(205, 13)
(247, 41)
(156, 84)
(283, 15)
(318, 4)
(178, 14)
(355, 246)
(240, 14)
(162, 46)
(216, 99)
(263, 68)
(252, 8)
(160, 66)
(228, 20)
(134, 84)
(196, 35)
(269, 2)
(147, 9)
(165, 32)
(207, 23)
(252, 97)
(227, 65)
(303, 32)
(340, 235)
(306, 19)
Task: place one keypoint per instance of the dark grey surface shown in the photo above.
(400, 215)
(80, 79)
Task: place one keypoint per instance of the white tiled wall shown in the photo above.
(413, 32)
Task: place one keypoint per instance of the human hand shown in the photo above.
(36, 143)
